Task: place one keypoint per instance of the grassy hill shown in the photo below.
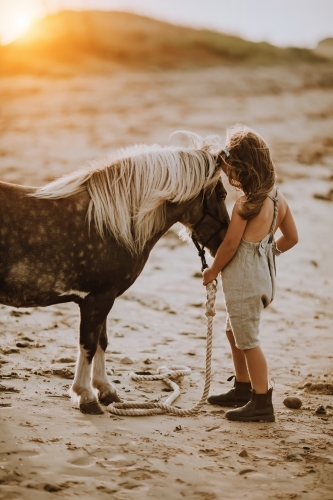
(325, 48)
(100, 40)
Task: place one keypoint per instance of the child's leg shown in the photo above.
(240, 394)
(239, 360)
(257, 368)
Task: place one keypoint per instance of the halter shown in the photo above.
(201, 248)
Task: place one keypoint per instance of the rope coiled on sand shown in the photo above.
(170, 374)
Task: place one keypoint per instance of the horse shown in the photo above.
(86, 237)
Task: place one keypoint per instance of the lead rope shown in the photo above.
(174, 372)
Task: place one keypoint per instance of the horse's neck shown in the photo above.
(174, 213)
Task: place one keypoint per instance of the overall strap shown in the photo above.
(275, 199)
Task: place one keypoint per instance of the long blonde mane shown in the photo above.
(129, 189)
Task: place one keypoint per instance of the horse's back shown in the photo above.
(37, 238)
(10, 193)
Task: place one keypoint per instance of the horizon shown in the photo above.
(281, 22)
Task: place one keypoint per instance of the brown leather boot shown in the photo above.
(260, 408)
(238, 396)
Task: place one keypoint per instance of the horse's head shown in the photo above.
(207, 218)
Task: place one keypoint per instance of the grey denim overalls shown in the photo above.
(248, 283)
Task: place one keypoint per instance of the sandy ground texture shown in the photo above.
(48, 449)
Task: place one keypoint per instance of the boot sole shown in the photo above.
(263, 418)
(229, 405)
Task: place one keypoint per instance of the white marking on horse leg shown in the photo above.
(107, 392)
(81, 390)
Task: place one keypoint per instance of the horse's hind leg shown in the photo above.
(106, 392)
(94, 311)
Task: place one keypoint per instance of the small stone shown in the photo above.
(246, 471)
(321, 410)
(292, 402)
(126, 361)
(243, 453)
(20, 343)
(52, 488)
(294, 458)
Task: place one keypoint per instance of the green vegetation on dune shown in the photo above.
(96, 40)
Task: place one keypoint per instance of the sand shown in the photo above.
(48, 449)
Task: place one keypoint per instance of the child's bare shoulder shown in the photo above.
(282, 200)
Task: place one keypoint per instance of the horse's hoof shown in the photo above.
(108, 398)
(91, 408)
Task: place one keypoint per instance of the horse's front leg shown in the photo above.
(106, 391)
(94, 311)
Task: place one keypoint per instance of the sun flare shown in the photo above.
(16, 17)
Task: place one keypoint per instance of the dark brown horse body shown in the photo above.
(50, 255)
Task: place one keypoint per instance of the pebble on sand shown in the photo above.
(21, 343)
(243, 453)
(126, 361)
(321, 410)
(292, 402)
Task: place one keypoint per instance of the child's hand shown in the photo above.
(208, 276)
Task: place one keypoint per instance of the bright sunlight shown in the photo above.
(16, 17)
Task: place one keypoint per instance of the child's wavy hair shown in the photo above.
(250, 168)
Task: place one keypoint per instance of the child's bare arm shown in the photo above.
(228, 247)
(288, 229)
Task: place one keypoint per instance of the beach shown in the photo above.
(51, 126)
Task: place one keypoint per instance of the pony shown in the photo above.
(86, 237)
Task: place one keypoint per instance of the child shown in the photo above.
(246, 260)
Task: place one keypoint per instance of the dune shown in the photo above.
(325, 48)
(101, 40)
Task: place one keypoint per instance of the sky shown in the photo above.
(300, 23)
